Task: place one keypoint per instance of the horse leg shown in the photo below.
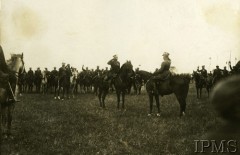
(103, 98)
(58, 92)
(150, 95)
(197, 92)
(158, 104)
(182, 102)
(123, 100)
(200, 92)
(63, 93)
(207, 91)
(118, 98)
(9, 119)
(100, 97)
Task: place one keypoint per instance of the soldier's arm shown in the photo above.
(83, 68)
(109, 62)
(161, 69)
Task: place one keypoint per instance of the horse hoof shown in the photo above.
(158, 114)
(55, 98)
(149, 115)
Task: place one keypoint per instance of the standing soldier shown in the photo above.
(54, 80)
(68, 77)
(62, 79)
(54, 72)
(210, 74)
(30, 80)
(38, 79)
(4, 77)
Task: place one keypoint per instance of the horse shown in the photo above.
(54, 84)
(123, 81)
(16, 66)
(141, 77)
(103, 89)
(177, 84)
(73, 83)
(201, 82)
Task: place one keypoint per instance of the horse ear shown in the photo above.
(22, 55)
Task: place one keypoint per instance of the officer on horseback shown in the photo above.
(235, 69)
(203, 72)
(163, 73)
(115, 67)
(225, 72)
(4, 77)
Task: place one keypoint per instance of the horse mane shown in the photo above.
(185, 76)
(125, 64)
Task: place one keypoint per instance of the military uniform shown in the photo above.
(115, 66)
(217, 72)
(204, 73)
(38, 79)
(54, 73)
(163, 72)
(225, 72)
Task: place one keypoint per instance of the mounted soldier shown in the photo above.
(4, 77)
(225, 72)
(115, 67)
(217, 75)
(204, 72)
(163, 73)
(198, 70)
(235, 69)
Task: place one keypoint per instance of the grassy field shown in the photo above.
(42, 125)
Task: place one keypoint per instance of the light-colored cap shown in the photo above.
(165, 54)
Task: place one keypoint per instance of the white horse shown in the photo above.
(44, 82)
(73, 81)
(16, 66)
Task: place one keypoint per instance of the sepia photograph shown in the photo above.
(119, 77)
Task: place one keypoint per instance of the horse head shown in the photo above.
(16, 63)
(127, 67)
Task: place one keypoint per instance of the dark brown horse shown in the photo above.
(176, 84)
(201, 82)
(121, 82)
(16, 66)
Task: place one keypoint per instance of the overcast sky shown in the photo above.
(90, 32)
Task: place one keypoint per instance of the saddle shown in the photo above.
(4, 78)
(162, 84)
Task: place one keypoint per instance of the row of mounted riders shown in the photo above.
(209, 80)
(86, 81)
